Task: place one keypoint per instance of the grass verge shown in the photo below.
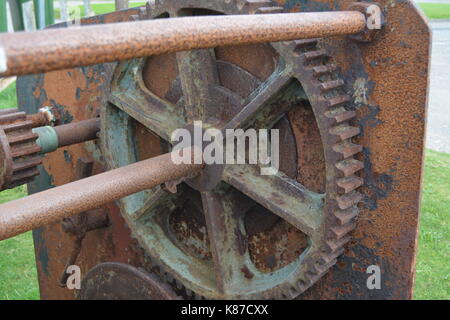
(18, 275)
(97, 8)
(433, 260)
(436, 10)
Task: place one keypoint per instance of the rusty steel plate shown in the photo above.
(391, 115)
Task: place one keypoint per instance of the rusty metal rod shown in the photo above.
(49, 206)
(54, 49)
(52, 138)
(77, 132)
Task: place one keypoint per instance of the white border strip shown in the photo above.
(3, 66)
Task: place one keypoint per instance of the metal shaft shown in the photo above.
(77, 132)
(52, 138)
(49, 206)
(55, 49)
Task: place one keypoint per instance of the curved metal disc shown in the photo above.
(119, 281)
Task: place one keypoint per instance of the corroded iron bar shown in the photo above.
(77, 132)
(52, 138)
(55, 49)
(49, 206)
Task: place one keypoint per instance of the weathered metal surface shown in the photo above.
(45, 50)
(78, 225)
(48, 206)
(119, 281)
(392, 121)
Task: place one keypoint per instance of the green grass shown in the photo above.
(433, 261)
(8, 97)
(436, 10)
(97, 8)
(18, 278)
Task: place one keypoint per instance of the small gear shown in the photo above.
(19, 152)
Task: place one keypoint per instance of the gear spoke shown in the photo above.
(198, 95)
(259, 99)
(283, 196)
(157, 198)
(224, 234)
(130, 95)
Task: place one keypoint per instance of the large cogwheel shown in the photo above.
(246, 236)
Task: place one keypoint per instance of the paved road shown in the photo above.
(438, 128)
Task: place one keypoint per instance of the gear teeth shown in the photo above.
(169, 278)
(335, 245)
(347, 200)
(347, 148)
(7, 111)
(198, 297)
(23, 177)
(347, 215)
(21, 151)
(288, 294)
(189, 292)
(340, 114)
(142, 12)
(17, 126)
(28, 136)
(302, 285)
(27, 163)
(141, 15)
(13, 115)
(331, 85)
(178, 285)
(324, 69)
(338, 100)
(308, 44)
(253, 5)
(345, 131)
(294, 292)
(349, 166)
(327, 259)
(317, 54)
(349, 183)
(266, 10)
(341, 231)
(319, 269)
